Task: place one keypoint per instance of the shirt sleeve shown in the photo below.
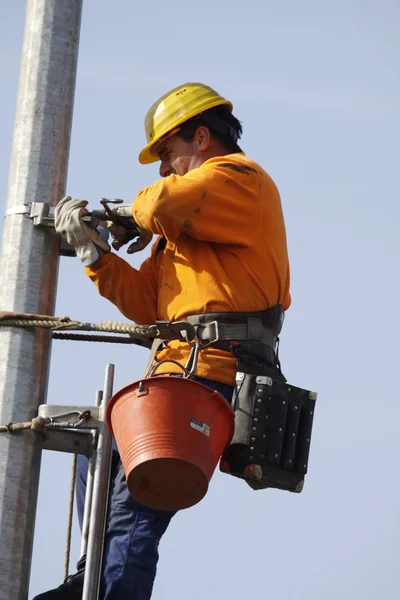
(217, 202)
(133, 291)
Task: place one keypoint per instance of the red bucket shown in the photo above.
(170, 433)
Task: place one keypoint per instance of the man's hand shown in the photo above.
(124, 229)
(68, 222)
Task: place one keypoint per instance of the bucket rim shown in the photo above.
(159, 378)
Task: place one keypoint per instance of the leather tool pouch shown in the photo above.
(273, 424)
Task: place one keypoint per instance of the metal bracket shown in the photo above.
(42, 215)
(72, 442)
(67, 439)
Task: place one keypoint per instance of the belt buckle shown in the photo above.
(214, 339)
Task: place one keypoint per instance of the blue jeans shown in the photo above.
(133, 531)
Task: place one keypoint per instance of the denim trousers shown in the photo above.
(133, 531)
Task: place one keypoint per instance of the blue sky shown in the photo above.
(316, 85)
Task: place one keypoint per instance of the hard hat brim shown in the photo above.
(148, 155)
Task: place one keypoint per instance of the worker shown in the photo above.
(220, 246)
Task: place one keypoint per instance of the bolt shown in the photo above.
(295, 408)
(280, 428)
(256, 410)
(308, 440)
(264, 435)
(260, 390)
(254, 428)
(293, 434)
(253, 439)
(283, 401)
(252, 448)
(255, 419)
(259, 400)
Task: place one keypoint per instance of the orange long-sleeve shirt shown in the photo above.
(225, 250)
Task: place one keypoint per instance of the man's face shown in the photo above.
(176, 156)
(180, 157)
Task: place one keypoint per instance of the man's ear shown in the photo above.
(203, 138)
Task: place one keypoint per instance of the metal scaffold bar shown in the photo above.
(29, 264)
(89, 489)
(98, 510)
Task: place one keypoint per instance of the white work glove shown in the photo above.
(68, 222)
(125, 229)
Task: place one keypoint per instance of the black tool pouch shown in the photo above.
(273, 423)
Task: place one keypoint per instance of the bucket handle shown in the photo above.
(175, 362)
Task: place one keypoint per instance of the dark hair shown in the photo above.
(223, 126)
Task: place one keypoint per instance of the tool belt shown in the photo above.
(254, 334)
(273, 419)
(248, 334)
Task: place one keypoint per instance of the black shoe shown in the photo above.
(71, 589)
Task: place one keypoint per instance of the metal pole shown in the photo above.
(89, 487)
(29, 263)
(101, 482)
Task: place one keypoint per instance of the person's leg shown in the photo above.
(82, 465)
(131, 543)
(131, 548)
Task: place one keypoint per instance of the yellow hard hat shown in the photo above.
(174, 108)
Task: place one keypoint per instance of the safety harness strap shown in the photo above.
(270, 318)
(256, 333)
(252, 331)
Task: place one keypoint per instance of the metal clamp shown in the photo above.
(23, 209)
(174, 330)
(42, 214)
